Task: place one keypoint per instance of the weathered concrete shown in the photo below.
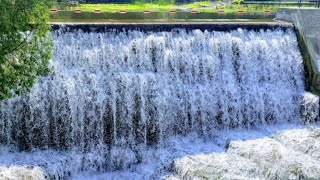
(307, 23)
(153, 15)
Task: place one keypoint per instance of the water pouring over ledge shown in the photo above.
(115, 94)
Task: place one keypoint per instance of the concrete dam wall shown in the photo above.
(307, 24)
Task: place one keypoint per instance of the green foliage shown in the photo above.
(162, 2)
(25, 48)
(139, 2)
(237, 1)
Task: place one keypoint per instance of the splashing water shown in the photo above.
(114, 94)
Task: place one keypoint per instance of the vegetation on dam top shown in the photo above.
(203, 6)
(199, 6)
(236, 9)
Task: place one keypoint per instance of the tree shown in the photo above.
(25, 48)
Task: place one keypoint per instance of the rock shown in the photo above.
(303, 140)
(216, 166)
(310, 107)
(276, 160)
(290, 154)
(21, 173)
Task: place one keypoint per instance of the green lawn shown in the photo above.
(199, 6)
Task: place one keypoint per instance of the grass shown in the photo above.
(204, 6)
(207, 10)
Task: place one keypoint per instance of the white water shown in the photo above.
(114, 97)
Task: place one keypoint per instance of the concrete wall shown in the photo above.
(307, 24)
(181, 15)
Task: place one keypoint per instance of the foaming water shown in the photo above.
(114, 94)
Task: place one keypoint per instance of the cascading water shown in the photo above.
(113, 95)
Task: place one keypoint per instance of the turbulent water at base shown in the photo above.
(114, 94)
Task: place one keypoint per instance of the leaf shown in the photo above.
(25, 49)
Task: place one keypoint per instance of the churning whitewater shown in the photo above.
(113, 95)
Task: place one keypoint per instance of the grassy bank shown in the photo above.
(206, 10)
(203, 6)
(199, 6)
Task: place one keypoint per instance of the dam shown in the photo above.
(137, 103)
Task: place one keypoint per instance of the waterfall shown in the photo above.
(117, 93)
